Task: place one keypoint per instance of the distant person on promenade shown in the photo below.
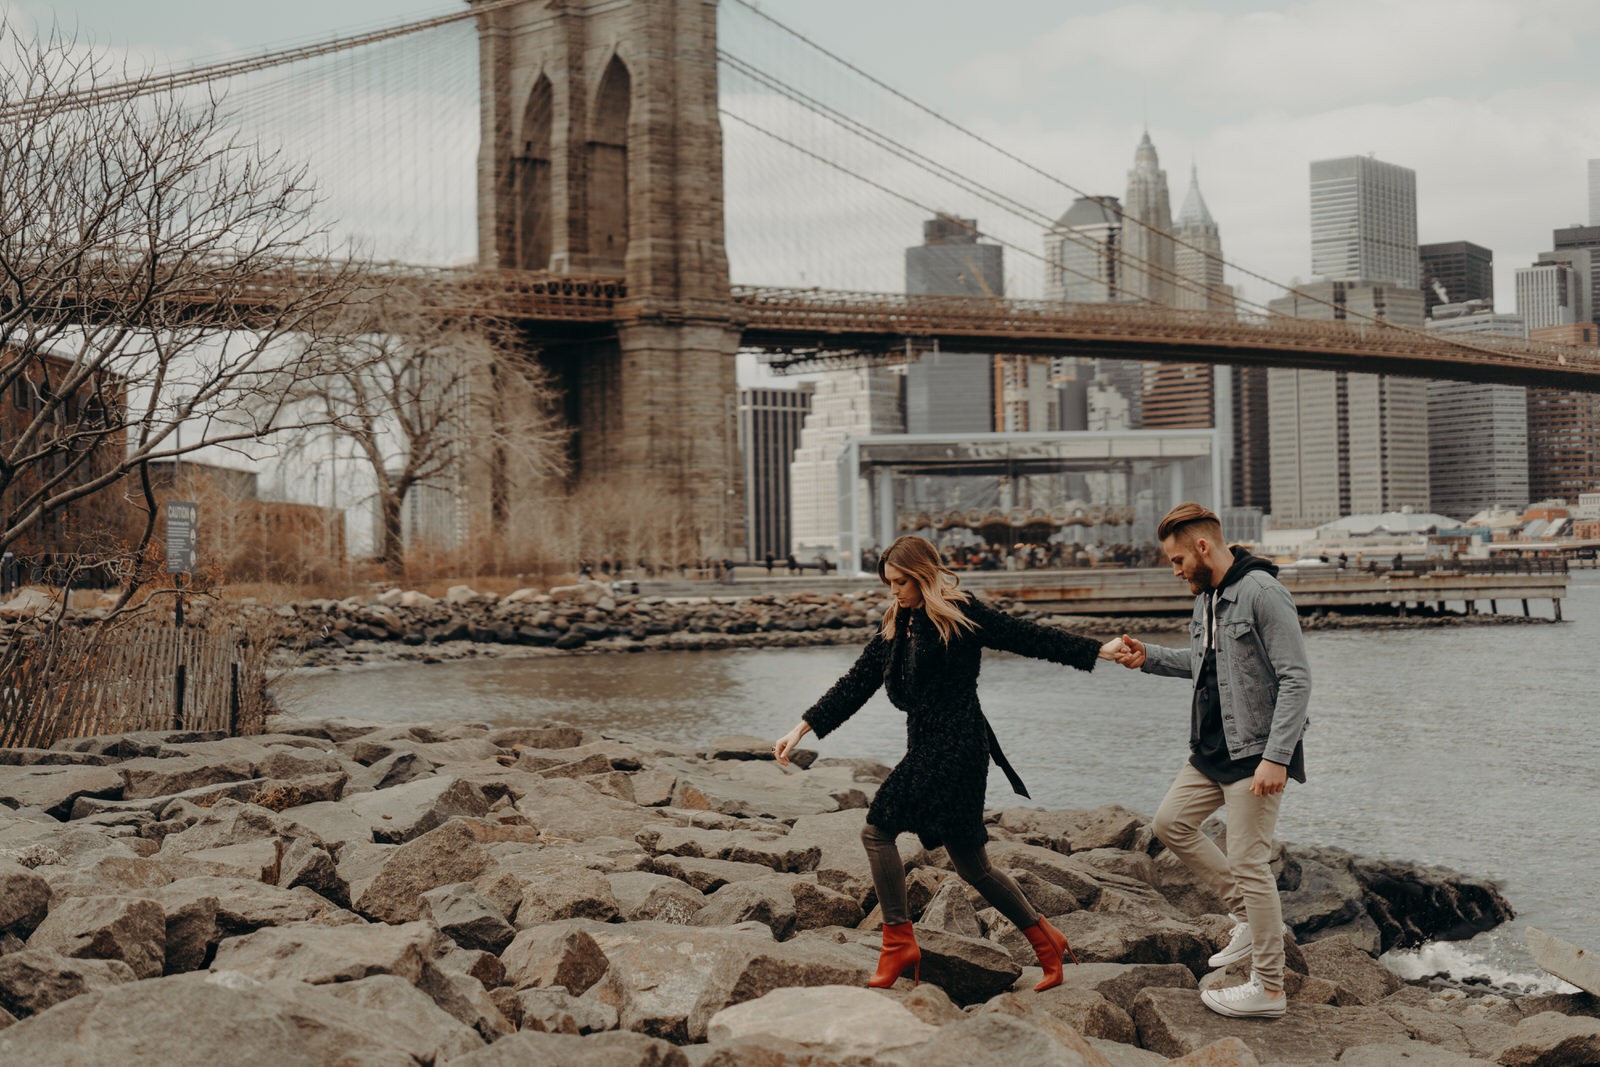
(926, 654)
(1247, 662)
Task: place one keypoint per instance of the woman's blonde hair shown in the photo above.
(918, 560)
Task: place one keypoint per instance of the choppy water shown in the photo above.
(1475, 748)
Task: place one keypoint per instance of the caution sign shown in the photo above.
(183, 536)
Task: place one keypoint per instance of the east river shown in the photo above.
(1476, 748)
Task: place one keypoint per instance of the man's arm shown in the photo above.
(1278, 625)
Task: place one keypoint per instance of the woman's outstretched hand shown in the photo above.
(786, 744)
(1112, 649)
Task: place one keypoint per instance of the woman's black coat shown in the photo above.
(937, 790)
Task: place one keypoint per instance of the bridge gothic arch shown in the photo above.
(607, 171)
(534, 193)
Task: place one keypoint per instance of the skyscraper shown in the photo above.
(770, 421)
(1147, 229)
(1083, 253)
(1364, 221)
(1563, 427)
(1344, 442)
(1341, 442)
(1585, 238)
(1552, 292)
(1197, 257)
(949, 392)
(1455, 272)
(844, 404)
(1477, 433)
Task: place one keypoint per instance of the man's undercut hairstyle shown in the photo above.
(1188, 521)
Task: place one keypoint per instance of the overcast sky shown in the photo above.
(1494, 103)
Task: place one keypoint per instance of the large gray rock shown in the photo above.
(1112, 826)
(968, 969)
(24, 899)
(555, 1011)
(642, 895)
(320, 954)
(132, 930)
(950, 910)
(189, 1020)
(1085, 1010)
(192, 930)
(668, 980)
(842, 864)
(1552, 1040)
(816, 906)
(768, 902)
(565, 810)
(1174, 1023)
(1464, 1034)
(408, 811)
(153, 777)
(1339, 960)
(1070, 874)
(466, 917)
(554, 954)
(993, 1039)
(1123, 937)
(411, 1015)
(772, 850)
(566, 892)
(564, 1050)
(1121, 983)
(35, 979)
(1327, 896)
(54, 788)
(244, 905)
(1561, 958)
(445, 855)
(105, 874)
(834, 1023)
(232, 822)
(708, 876)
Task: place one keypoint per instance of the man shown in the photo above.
(1247, 662)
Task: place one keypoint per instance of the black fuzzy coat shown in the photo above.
(936, 791)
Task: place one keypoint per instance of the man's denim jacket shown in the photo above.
(1262, 674)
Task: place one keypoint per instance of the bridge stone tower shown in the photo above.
(601, 153)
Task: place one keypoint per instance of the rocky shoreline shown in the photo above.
(337, 892)
(589, 618)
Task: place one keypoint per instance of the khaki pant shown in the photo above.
(1242, 878)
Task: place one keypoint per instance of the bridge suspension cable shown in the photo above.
(146, 85)
(1453, 339)
(979, 189)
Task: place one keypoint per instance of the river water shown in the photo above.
(1475, 748)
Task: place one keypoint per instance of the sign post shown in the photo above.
(183, 550)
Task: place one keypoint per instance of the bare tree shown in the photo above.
(162, 286)
(435, 399)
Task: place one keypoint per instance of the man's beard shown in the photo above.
(1204, 578)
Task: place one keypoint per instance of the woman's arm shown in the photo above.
(998, 630)
(847, 695)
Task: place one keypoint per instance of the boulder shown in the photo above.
(834, 1023)
(1339, 960)
(775, 851)
(950, 910)
(243, 906)
(565, 810)
(415, 1020)
(596, 1050)
(24, 899)
(668, 981)
(554, 955)
(1112, 826)
(1327, 896)
(994, 1039)
(408, 811)
(968, 969)
(184, 1020)
(642, 895)
(191, 931)
(1407, 1054)
(466, 917)
(132, 930)
(768, 902)
(34, 979)
(1125, 937)
(1554, 956)
(555, 1011)
(321, 954)
(1120, 983)
(53, 789)
(816, 906)
(652, 789)
(150, 776)
(708, 876)
(1550, 1039)
(566, 893)
(1174, 1023)
(443, 856)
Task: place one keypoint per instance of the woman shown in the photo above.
(927, 654)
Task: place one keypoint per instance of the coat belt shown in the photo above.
(1004, 764)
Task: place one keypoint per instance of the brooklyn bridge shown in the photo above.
(602, 217)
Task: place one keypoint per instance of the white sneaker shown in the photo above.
(1237, 948)
(1247, 1001)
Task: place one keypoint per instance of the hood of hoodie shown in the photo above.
(1243, 564)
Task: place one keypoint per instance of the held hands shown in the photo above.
(786, 744)
(1130, 653)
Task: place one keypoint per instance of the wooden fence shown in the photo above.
(149, 675)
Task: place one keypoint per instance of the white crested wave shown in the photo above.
(1481, 957)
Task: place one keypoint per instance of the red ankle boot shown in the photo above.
(899, 953)
(1050, 945)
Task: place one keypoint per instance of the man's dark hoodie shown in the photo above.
(1208, 746)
